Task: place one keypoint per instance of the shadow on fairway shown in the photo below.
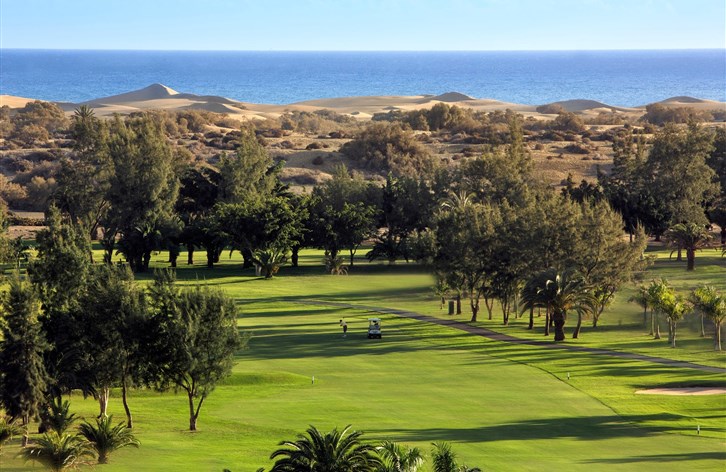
(695, 456)
(583, 428)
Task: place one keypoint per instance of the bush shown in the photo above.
(318, 160)
(551, 109)
(577, 149)
(658, 114)
(389, 148)
(313, 146)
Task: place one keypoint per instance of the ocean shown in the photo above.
(622, 78)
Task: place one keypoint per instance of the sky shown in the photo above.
(362, 25)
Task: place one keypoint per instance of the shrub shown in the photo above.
(551, 109)
(314, 145)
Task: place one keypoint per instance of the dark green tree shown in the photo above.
(23, 377)
(195, 341)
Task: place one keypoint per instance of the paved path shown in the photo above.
(487, 333)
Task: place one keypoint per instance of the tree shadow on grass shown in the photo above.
(587, 428)
(693, 456)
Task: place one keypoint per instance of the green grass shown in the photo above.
(504, 407)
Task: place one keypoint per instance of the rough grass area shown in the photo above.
(504, 407)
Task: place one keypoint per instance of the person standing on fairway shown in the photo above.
(345, 327)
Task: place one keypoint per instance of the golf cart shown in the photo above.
(374, 328)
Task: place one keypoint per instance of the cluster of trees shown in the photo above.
(663, 300)
(501, 236)
(74, 325)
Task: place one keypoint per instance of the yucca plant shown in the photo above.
(105, 438)
(57, 452)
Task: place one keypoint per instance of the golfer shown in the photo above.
(345, 327)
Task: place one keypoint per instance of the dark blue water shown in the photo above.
(625, 78)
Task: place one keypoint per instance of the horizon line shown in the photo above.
(361, 50)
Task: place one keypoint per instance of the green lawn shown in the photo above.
(504, 407)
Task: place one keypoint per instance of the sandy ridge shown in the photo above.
(161, 97)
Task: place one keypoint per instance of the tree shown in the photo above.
(691, 237)
(674, 306)
(57, 452)
(398, 458)
(605, 260)
(336, 451)
(23, 377)
(558, 293)
(712, 304)
(105, 438)
(143, 189)
(196, 339)
(467, 240)
(249, 173)
(657, 291)
(113, 316)
(60, 273)
(642, 299)
(342, 214)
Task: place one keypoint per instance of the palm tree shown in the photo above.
(688, 236)
(457, 200)
(8, 429)
(444, 459)
(336, 451)
(674, 306)
(557, 293)
(641, 298)
(398, 458)
(57, 417)
(656, 291)
(712, 304)
(105, 438)
(57, 452)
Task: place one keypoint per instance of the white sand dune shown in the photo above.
(581, 105)
(161, 97)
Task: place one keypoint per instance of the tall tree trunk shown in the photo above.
(703, 328)
(645, 317)
(723, 236)
(656, 335)
(579, 325)
(294, 258)
(673, 335)
(190, 254)
(247, 258)
(679, 256)
(652, 322)
(717, 337)
(559, 320)
(474, 303)
(210, 258)
(489, 303)
(103, 394)
(26, 423)
(547, 322)
(504, 302)
(192, 415)
(691, 256)
(129, 418)
(531, 318)
(458, 303)
(352, 255)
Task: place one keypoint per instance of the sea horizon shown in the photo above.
(617, 77)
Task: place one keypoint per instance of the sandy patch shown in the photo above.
(683, 391)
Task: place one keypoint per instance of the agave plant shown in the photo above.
(335, 265)
(57, 452)
(105, 438)
(444, 460)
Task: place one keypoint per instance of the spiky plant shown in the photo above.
(8, 429)
(398, 458)
(57, 417)
(105, 438)
(57, 452)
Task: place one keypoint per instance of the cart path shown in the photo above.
(487, 333)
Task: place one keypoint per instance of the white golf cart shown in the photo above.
(374, 328)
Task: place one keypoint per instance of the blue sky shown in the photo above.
(363, 24)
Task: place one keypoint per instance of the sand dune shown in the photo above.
(14, 102)
(161, 97)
